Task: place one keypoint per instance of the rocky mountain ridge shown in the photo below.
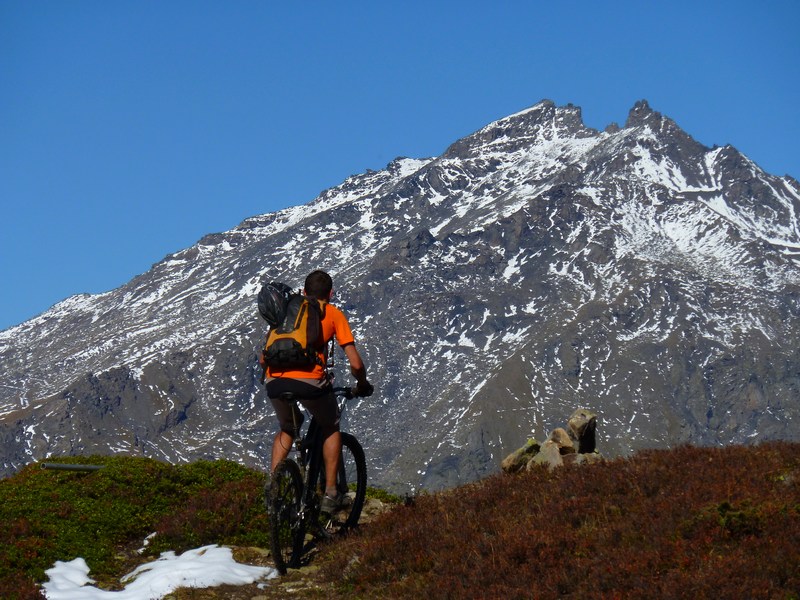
(535, 267)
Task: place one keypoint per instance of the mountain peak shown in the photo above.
(542, 121)
(641, 113)
(544, 113)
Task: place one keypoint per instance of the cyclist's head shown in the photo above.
(318, 285)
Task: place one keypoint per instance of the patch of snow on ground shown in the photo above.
(513, 268)
(200, 568)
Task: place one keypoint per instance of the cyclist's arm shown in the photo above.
(345, 338)
(357, 367)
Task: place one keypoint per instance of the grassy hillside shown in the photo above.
(104, 516)
(689, 522)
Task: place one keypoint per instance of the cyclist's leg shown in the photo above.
(285, 436)
(280, 447)
(331, 454)
(326, 413)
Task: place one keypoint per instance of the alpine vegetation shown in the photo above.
(534, 268)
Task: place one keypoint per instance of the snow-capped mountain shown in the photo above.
(535, 267)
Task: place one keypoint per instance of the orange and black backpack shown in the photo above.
(294, 344)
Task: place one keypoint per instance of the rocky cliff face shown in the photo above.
(535, 267)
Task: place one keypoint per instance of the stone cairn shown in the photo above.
(575, 445)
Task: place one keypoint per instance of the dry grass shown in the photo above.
(686, 523)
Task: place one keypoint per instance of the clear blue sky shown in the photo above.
(131, 128)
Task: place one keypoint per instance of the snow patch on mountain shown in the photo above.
(536, 266)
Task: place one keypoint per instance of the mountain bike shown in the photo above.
(295, 491)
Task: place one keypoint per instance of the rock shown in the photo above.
(549, 456)
(562, 439)
(575, 446)
(372, 509)
(582, 425)
(517, 460)
(589, 458)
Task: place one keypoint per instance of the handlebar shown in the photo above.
(346, 392)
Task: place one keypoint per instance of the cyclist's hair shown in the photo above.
(318, 285)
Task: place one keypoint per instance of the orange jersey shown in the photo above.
(334, 324)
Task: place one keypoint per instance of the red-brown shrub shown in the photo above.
(689, 522)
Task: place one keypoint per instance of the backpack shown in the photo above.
(295, 343)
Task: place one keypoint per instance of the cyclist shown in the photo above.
(312, 388)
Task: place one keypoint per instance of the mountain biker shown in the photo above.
(312, 388)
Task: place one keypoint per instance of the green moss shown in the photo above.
(103, 516)
(383, 496)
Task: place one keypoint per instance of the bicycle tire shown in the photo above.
(286, 525)
(350, 480)
(353, 472)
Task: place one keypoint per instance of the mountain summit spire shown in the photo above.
(542, 121)
(641, 113)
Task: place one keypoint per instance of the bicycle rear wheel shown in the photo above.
(351, 480)
(285, 522)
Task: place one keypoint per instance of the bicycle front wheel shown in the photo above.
(351, 480)
(285, 521)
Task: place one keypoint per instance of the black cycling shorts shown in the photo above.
(314, 395)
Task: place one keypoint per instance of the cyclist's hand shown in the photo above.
(364, 389)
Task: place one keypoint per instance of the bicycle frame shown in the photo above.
(293, 497)
(308, 447)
